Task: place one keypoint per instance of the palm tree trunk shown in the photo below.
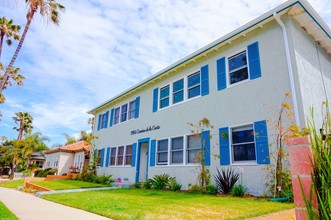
(20, 43)
(20, 132)
(1, 42)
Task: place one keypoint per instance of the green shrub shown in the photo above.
(174, 185)
(136, 185)
(211, 189)
(288, 193)
(195, 188)
(225, 180)
(239, 190)
(44, 173)
(146, 185)
(27, 173)
(161, 181)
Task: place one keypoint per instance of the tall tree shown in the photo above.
(24, 122)
(70, 139)
(8, 30)
(15, 76)
(47, 8)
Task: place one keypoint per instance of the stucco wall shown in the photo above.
(66, 160)
(313, 66)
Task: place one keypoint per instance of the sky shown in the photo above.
(103, 47)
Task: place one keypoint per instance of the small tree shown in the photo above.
(196, 130)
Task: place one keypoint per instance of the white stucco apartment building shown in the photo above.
(234, 81)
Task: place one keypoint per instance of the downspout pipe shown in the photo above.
(290, 69)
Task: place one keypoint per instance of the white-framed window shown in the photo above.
(124, 112)
(238, 69)
(39, 163)
(48, 163)
(120, 156)
(162, 152)
(193, 148)
(113, 156)
(177, 148)
(103, 122)
(178, 91)
(117, 115)
(78, 161)
(56, 161)
(99, 157)
(128, 154)
(164, 96)
(193, 85)
(243, 144)
(132, 109)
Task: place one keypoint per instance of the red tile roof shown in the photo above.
(71, 148)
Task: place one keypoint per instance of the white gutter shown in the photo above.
(290, 69)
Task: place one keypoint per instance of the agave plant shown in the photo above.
(226, 179)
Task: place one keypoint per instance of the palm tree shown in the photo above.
(91, 122)
(47, 8)
(24, 120)
(32, 143)
(15, 75)
(8, 30)
(70, 139)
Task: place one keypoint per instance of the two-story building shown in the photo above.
(235, 82)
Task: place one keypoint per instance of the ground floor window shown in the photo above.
(177, 147)
(128, 154)
(162, 152)
(99, 157)
(193, 148)
(120, 155)
(243, 145)
(113, 156)
(39, 163)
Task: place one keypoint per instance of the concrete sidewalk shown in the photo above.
(28, 207)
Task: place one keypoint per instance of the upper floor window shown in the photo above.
(162, 152)
(132, 109)
(193, 148)
(124, 112)
(164, 96)
(243, 145)
(193, 85)
(238, 70)
(178, 91)
(117, 116)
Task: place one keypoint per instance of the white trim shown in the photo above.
(290, 69)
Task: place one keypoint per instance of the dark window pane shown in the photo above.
(164, 92)
(162, 145)
(162, 157)
(177, 143)
(244, 152)
(164, 103)
(120, 150)
(178, 97)
(193, 141)
(195, 91)
(242, 136)
(237, 61)
(113, 151)
(177, 157)
(128, 160)
(194, 79)
(129, 149)
(192, 156)
(239, 75)
(120, 160)
(178, 85)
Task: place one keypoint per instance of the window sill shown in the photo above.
(178, 103)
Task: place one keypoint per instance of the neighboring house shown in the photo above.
(68, 158)
(38, 159)
(235, 82)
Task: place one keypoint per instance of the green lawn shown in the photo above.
(12, 184)
(151, 204)
(5, 213)
(67, 184)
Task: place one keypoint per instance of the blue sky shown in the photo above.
(104, 47)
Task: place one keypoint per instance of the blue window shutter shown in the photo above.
(254, 60)
(205, 145)
(107, 157)
(155, 99)
(261, 141)
(153, 148)
(102, 157)
(111, 117)
(221, 73)
(204, 80)
(106, 121)
(136, 113)
(99, 121)
(224, 146)
(134, 149)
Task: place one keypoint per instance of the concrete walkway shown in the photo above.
(28, 207)
(282, 215)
